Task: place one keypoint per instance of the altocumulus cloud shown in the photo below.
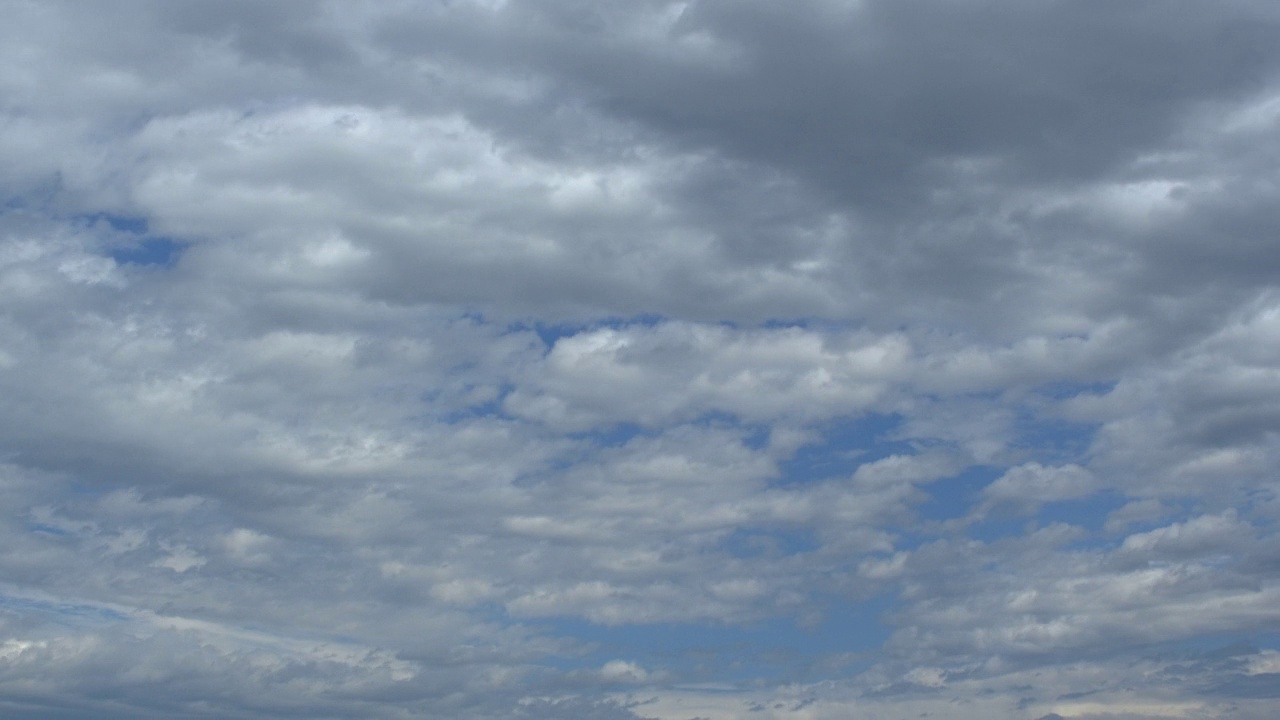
(646, 359)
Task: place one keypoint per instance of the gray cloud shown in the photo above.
(493, 358)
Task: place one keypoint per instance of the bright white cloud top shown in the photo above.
(538, 359)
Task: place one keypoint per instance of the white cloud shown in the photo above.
(680, 371)
(623, 671)
(612, 359)
(1026, 487)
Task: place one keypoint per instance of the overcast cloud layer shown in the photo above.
(551, 359)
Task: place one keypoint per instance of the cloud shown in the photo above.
(673, 372)
(1026, 487)
(662, 359)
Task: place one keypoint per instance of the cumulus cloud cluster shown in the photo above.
(647, 359)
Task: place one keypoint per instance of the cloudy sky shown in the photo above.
(617, 359)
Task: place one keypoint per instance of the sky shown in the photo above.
(622, 359)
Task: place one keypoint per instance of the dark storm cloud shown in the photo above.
(871, 100)
(937, 131)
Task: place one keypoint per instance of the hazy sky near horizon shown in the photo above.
(618, 359)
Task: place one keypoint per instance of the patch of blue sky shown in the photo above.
(152, 252)
(999, 527)
(549, 332)
(756, 437)
(620, 433)
(585, 444)
(613, 436)
(1052, 441)
(622, 322)
(135, 243)
(787, 323)
(853, 626)
(1174, 510)
(60, 611)
(121, 223)
(1089, 512)
(775, 649)
(951, 498)
(817, 324)
(761, 542)
(44, 529)
(488, 409)
(846, 444)
(954, 497)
